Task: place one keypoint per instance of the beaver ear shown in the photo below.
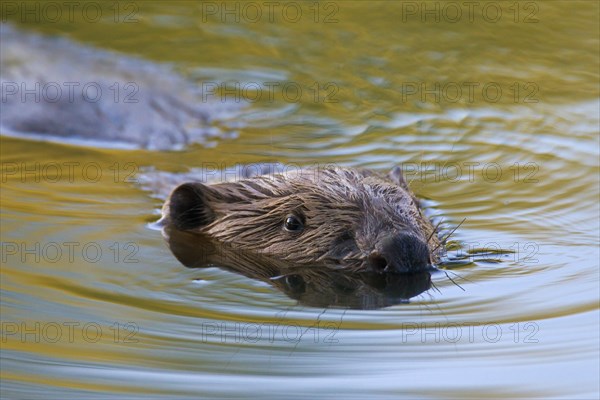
(188, 206)
(397, 177)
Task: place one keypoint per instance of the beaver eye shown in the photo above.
(293, 224)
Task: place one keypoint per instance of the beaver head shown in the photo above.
(355, 220)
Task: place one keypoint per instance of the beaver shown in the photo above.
(55, 89)
(341, 218)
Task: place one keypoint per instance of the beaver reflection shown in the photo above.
(316, 286)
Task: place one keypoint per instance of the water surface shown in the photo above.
(521, 165)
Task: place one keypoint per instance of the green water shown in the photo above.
(494, 118)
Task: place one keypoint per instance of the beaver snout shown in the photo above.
(402, 253)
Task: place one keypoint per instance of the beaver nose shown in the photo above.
(402, 253)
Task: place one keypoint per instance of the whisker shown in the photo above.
(443, 242)
(436, 288)
(435, 228)
(452, 280)
(457, 275)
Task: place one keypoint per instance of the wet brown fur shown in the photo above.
(345, 212)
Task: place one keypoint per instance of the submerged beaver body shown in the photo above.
(355, 220)
(55, 89)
